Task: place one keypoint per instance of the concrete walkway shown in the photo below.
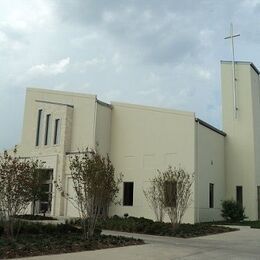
(242, 244)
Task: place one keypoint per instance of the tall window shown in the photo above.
(38, 130)
(211, 195)
(240, 195)
(57, 131)
(46, 187)
(47, 130)
(170, 193)
(128, 193)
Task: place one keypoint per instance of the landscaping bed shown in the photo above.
(37, 239)
(34, 217)
(147, 226)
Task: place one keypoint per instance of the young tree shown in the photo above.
(95, 185)
(15, 188)
(175, 185)
(154, 195)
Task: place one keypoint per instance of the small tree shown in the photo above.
(175, 185)
(232, 211)
(95, 185)
(15, 188)
(154, 195)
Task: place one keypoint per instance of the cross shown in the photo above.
(232, 36)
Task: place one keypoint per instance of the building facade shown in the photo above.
(141, 139)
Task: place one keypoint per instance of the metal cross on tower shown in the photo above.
(232, 36)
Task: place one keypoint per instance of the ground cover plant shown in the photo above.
(34, 217)
(147, 226)
(38, 239)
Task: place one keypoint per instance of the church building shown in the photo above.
(141, 139)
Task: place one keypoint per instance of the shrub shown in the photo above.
(232, 211)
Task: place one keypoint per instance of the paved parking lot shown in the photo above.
(242, 244)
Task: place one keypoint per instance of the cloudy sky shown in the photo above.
(157, 52)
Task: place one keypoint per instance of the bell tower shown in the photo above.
(241, 122)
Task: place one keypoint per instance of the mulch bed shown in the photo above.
(150, 227)
(35, 217)
(43, 244)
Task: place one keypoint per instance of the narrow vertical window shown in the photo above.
(128, 193)
(38, 130)
(240, 195)
(170, 193)
(57, 131)
(47, 130)
(211, 195)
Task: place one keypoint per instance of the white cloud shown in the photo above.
(95, 61)
(50, 69)
(203, 73)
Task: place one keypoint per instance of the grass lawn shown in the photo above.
(38, 239)
(147, 226)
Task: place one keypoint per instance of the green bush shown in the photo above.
(232, 211)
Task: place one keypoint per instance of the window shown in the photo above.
(46, 187)
(240, 195)
(47, 131)
(57, 131)
(211, 195)
(38, 133)
(128, 193)
(170, 193)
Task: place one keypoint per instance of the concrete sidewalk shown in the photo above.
(242, 244)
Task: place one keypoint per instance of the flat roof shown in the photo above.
(243, 62)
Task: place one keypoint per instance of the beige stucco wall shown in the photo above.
(241, 137)
(82, 127)
(139, 140)
(103, 128)
(210, 169)
(77, 113)
(144, 139)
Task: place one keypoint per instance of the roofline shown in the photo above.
(54, 103)
(244, 62)
(151, 108)
(211, 127)
(60, 92)
(102, 103)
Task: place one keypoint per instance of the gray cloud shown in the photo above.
(163, 53)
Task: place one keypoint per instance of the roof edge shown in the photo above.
(209, 126)
(152, 108)
(102, 103)
(243, 62)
